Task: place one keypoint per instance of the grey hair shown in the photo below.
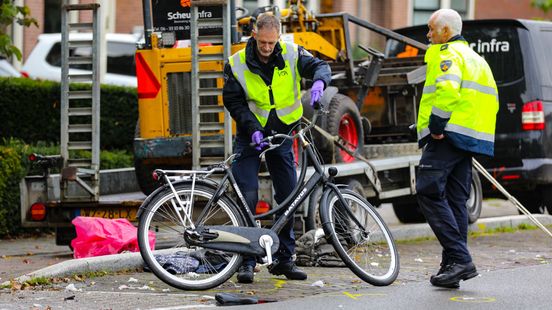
(267, 21)
(450, 18)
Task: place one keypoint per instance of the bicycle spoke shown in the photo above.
(367, 249)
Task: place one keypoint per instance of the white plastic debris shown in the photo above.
(132, 280)
(166, 290)
(375, 264)
(419, 260)
(512, 251)
(72, 288)
(318, 283)
(123, 287)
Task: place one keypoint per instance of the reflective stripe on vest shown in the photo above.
(285, 87)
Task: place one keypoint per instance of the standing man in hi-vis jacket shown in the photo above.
(456, 120)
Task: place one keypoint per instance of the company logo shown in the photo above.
(296, 201)
(186, 15)
(492, 46)
(185, 3)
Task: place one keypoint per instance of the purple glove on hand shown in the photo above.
(256, 138)
(316, 92)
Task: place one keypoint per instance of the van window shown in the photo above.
(546, 41)
(500, 47)
(120, 57)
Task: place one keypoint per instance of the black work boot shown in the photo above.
(453, 273)
(245, 274)
(441, 270)
(287, 269)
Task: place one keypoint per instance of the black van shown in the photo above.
(519, 53)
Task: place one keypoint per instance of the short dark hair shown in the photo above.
(269, 21)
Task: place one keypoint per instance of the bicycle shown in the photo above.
(195, 220)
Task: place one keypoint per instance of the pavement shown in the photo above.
(132, 261)
(503, 259)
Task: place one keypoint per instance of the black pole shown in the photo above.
(234, 23)
(146, 6)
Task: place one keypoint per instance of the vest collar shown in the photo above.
(457, 37)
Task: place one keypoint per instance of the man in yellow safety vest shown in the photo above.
(262, 93)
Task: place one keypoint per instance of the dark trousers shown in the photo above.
(443, 188)
(281, 166)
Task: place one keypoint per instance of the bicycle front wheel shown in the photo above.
(173, 260)
(369, 250)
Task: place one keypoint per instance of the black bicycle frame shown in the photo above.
(292, 202)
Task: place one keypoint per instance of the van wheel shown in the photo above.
(533, 201)
(475, 200)
(409, 211)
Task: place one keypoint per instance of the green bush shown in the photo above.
(30, 111)
(13, 166)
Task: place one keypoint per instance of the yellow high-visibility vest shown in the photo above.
(459, 87)
(285, 86)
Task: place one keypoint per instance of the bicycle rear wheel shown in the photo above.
(369, 251)
(173, 260)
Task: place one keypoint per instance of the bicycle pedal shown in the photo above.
(266, 242)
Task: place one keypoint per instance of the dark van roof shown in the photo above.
(538, 38)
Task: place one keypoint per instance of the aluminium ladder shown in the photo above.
(80, 109)
(206, 125)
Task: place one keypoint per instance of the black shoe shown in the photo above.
(441, 270)
(287, 269)
(245, 274)
(451, 276)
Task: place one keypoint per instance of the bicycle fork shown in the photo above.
(347, 208)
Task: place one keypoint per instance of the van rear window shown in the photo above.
(499, 45)
(501, 49)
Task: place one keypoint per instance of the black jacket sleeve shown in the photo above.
(233, 97)
(313, 68)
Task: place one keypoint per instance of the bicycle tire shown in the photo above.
(160, 216)
(365, 252)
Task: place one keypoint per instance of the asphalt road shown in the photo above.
(515, 273)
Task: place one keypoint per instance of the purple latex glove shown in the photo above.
(316, 92)
(256, 138)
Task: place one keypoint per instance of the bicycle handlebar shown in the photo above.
(319, 109)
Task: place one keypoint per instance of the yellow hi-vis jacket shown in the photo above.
(285, 87)
(460, 98)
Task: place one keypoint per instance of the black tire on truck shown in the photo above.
(144, 176)
(408, 211)
(343, 120)
(143, 170)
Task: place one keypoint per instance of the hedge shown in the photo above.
(13, 166)
(30, 111)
